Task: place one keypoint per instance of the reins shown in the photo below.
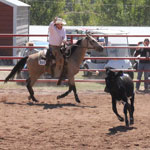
(68, 54)
(88, 41)
(83, 46)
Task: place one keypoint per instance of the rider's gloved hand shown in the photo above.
(66, 42)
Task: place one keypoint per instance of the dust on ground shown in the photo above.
(66, 125)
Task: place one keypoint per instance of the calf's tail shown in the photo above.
(17, 68)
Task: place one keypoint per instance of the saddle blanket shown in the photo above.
(42, 54)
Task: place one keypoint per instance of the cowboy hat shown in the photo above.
(60, 21)
(29, 44)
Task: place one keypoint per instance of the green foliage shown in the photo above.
(43, 11)
(91, 12)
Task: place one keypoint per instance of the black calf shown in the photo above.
(120, 87)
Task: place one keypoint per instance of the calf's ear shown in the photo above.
(120, 73)
(108, 71)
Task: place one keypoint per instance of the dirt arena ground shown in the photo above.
(66, 125)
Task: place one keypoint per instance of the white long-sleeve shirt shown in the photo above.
(56, 36)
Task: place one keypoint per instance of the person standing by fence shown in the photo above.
(30, 50)
(143, 65)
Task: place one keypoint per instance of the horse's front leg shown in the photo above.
(66, 93)
(115, 109)
(75, 94)
(30, 89)
(71, 87)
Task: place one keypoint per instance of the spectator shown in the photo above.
(143, 65)
(30, 50)
(135, 54)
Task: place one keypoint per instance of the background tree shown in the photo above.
(43, 11)
(91, 12)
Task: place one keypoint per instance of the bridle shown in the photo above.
(87, 45)
(89, 41)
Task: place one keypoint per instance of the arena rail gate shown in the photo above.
(71, 37)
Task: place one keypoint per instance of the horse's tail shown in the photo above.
(17, 68)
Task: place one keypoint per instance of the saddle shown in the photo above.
(66, 51)
(51, 61)
(47, 59)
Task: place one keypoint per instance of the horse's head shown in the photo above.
(92, 43)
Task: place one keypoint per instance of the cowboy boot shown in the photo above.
(63, 73)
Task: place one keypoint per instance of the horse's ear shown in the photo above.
(108, 69)
(87, 35)
(87, 32)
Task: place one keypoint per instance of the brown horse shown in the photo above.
(76, 57)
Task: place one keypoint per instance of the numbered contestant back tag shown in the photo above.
(42, 62)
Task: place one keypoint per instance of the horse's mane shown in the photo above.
(78, 42)
(74, 46)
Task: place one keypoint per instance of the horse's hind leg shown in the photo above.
(30, 89)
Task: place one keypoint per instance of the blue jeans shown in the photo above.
(143, 66)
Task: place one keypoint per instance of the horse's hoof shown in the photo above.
(121, 119)
(127, 124)
(77, 100)
(35, 100)
(58, 97)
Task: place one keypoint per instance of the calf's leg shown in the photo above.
(115, 109)
(125, 112)
(132, 110)
(127, 107)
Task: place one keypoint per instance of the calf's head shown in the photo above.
(111, 79)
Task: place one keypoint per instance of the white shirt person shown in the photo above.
(57, 36)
